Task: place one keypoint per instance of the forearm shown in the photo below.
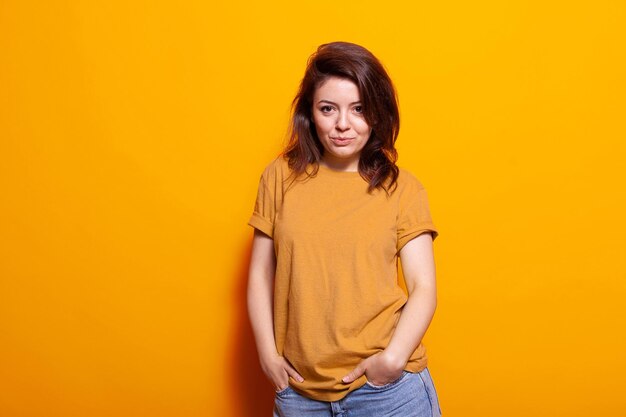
(415, 318)
(260, 312)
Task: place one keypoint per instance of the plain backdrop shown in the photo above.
(132, 139)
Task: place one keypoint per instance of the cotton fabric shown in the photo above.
(336, 295)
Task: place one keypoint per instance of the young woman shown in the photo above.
(335, 332)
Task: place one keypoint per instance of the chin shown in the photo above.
(343, 155)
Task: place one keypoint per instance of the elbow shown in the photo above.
(427, 295)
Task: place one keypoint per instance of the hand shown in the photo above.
(379, 369)
(278, 370)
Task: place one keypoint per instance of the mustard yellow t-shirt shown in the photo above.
(336, 294)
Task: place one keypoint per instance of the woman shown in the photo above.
(335, 333)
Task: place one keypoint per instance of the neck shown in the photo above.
(340, 164)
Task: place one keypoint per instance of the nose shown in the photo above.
(342, 121)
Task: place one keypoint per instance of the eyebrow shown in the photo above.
(328, 101)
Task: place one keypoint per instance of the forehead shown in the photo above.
(338, 88)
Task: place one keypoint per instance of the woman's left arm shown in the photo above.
(418, 268)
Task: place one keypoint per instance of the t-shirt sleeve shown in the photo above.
(413, 213)
(265, 206)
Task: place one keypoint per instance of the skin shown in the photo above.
(337, 112)
(418, 267)
(260, 294)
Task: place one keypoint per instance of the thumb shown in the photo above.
(356, 372)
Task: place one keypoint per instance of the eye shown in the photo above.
(326, 109)
(359, 109)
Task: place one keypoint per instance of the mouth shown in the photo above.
(341, 141)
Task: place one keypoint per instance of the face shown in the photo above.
(340, 123)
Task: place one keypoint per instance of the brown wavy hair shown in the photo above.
(377, 163)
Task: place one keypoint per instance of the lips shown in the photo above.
(341, 141)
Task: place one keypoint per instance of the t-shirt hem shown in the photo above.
(332, 396)
(415, 366)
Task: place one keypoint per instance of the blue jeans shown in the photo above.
(411, 395)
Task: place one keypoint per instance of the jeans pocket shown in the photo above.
(388, 384)
(283, 391)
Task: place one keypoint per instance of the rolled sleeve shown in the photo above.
(414, 216)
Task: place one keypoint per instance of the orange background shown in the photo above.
(132, 138)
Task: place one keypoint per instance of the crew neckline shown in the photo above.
(339, 173)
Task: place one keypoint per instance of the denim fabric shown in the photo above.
(411, 395)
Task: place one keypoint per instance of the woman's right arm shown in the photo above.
(260, 310)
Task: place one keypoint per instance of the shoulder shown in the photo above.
(276, 173)
(407, 180)
(276, 168)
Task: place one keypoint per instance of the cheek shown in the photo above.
(322, 126)
(363, 129)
